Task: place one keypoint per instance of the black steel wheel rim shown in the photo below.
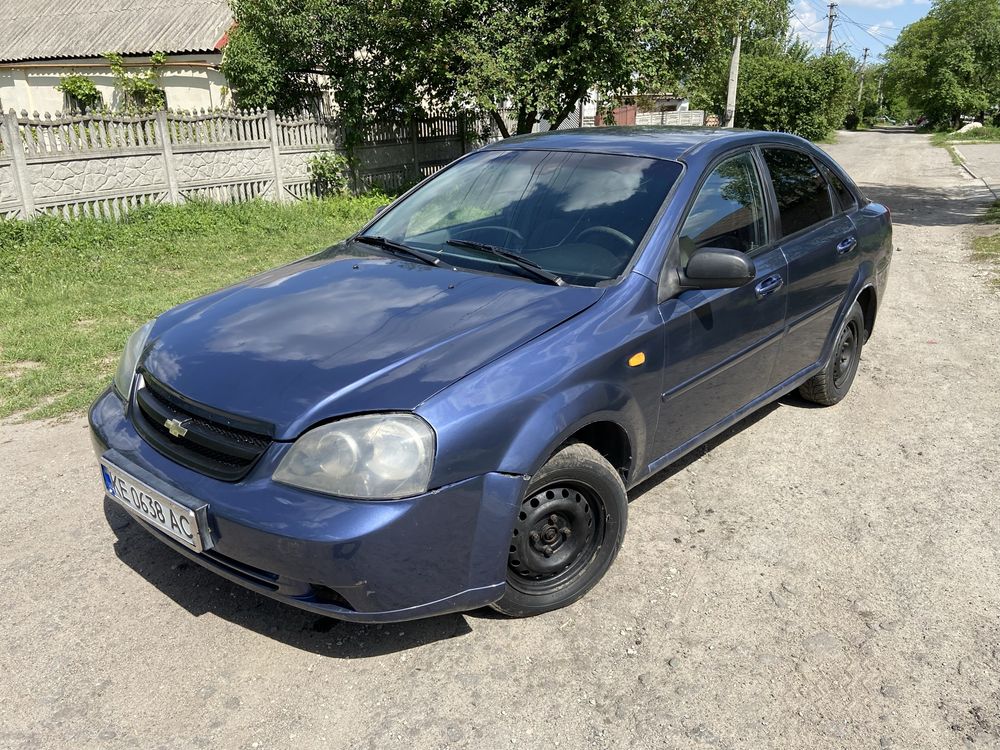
(845, 353)
(558, 532)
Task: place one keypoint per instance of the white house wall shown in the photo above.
(190, 82)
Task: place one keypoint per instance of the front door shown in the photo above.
(722, 343)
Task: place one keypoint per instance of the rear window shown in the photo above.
(802, 193)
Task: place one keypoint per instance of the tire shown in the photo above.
(830, 385)
(568, 532)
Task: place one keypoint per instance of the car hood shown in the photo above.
(347, 331)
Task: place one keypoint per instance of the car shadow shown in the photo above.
(199, 591)
(931, 207)
(665, 475)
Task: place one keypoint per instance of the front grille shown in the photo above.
(211, 445)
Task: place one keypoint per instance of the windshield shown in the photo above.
(579, 216)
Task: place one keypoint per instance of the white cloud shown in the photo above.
(881, 4)
(921, 2)
(877, 27)
(808, 26)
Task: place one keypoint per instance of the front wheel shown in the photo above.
(567, 533)
(832, 383)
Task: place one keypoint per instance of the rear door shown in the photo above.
(722, 343)
(820, 243)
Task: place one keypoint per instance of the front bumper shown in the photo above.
(366, 561)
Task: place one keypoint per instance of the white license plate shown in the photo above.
(172, 518)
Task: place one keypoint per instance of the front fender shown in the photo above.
(512, 414)
(556, 420)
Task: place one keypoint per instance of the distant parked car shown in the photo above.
(445, 411)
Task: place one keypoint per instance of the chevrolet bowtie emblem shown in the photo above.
(176, 428)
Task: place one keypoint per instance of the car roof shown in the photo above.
(654, 142)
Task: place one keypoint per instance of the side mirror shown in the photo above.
(718, 268)
(381, 209)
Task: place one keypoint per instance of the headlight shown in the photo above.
(375, 456)
(129, 360)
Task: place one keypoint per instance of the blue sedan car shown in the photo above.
(446, 410)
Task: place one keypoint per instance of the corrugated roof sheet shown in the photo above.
(48, 29)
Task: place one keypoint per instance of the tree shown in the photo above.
(784, 86)
(536, 58)
(948, 64)
(792, 91)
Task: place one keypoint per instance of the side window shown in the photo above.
(728, 212)
(803, 196)
(844, 197)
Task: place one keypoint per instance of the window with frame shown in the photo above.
(844, 198)
(803, 196)
(729, 211)
(73, 104)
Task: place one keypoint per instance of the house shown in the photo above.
(43, 41)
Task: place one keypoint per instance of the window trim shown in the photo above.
(824, 167)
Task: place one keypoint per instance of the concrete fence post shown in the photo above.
(272, 134)
(415, 173)
(12, 144)
(163, 135)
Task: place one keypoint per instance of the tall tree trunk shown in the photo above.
(563, 113)
(525, 119)
(500, 123)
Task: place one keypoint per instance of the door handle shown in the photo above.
(847, 245)
(769, 285)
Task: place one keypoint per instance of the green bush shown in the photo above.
(82, 89)
(331, 173)
(808, 96)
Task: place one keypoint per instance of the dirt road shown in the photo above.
(818, 578)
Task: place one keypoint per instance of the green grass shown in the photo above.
(987, 249)
(992, 215)
(72, 292)
(986, 134)
(956, 159)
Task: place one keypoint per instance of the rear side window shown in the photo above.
(728, 212)
(803, 196)
(843, 196)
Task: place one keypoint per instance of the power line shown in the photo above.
(804, 25)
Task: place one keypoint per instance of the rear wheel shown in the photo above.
(833, 382)
(568, 531)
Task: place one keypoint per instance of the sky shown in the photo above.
(860, 23)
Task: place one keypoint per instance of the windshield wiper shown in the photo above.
(523, 263)
(398, 247)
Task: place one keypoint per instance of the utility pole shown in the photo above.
(831, 16)
(734, 77)
(861, 88)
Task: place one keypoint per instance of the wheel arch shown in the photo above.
(602, 415)
(868, 299)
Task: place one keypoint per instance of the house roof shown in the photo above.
(55, 29)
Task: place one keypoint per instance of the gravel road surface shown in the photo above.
(816, 578)
(984, 161)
